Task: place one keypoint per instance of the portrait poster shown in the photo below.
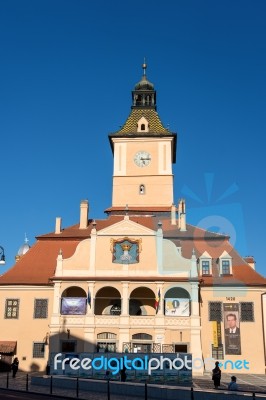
(73, 306)
(232, 336)
(177, 307)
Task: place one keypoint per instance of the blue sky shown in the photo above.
(67, 71)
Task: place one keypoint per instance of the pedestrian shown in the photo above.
(14, 366)
(233, 385)
(216, 375)
(107, 375)
(123, 374)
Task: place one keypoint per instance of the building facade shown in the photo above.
(142, 280)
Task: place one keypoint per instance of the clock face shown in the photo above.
(142, 158)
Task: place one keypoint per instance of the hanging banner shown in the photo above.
(232, 329)
(73, 305)
(214, 334)
(219, 333)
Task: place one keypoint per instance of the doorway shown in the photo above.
(181, 348)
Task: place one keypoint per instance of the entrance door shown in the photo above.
(106, 347)
(180, 348)
(141, 347)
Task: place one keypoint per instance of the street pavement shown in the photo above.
(246, 382)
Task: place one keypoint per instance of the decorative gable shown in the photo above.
(126, 227)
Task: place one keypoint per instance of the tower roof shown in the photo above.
(144, 84)
(131, 124)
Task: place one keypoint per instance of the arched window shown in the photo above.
(141, 336)
(142, 302)
(142, 128)
(106, 335)
(139, 100)
(107, 301)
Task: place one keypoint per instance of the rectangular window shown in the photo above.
(225, 267)
(40, 308)
(68, 346)
(38, 350)
(215, 311)
(12, 308)
(205, 267)
(218, 352)
(247, 312)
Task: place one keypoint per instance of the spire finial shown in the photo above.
(144, 66)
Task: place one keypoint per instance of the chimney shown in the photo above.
(84, 209)
(58, 221)
(182, 215)
(250, 260)
(173, 215)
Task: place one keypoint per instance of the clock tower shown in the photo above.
(144, 151)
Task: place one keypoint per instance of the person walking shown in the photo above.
(14, 366)
(216, 375)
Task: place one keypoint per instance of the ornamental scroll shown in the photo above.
(125, 250)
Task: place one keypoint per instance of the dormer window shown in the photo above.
(225, 264)
(225, 267)
(143, 125)
(205, 264)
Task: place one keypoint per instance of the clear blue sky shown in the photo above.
(67, 69)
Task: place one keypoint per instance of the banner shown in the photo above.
(232, 329)
(177, 307)
(214, 334)
(73, 306)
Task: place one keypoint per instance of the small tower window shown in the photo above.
(138, 100)
(141, 189)
(143, 125)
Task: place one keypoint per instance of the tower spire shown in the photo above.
(144, 95)
(144, 66)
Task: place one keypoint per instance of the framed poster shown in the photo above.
(177, 307)
(73, 305)
(232, 329)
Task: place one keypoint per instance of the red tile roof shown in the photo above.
(37, 266)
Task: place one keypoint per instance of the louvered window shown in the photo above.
(40, 308)
(215, 311)
(247, 312)
(12, 308)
